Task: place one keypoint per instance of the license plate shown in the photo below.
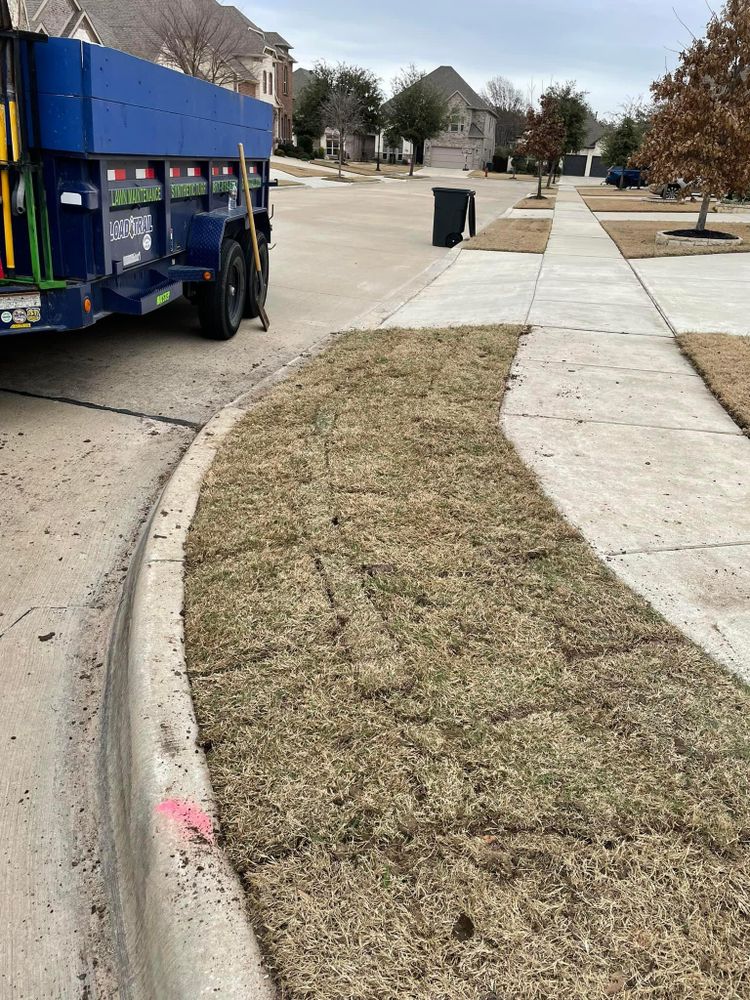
(10, 302)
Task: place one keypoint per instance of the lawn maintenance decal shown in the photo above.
(123, 197)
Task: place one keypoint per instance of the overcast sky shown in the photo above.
(613, 48)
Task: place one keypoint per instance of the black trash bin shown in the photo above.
(451, 207)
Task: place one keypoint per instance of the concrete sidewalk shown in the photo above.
(621, 431)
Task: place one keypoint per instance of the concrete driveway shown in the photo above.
(92, 425)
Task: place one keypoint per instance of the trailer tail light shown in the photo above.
(207, 275)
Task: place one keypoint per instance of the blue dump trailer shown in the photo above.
(121, 190)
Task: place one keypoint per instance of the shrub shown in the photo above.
(306, 144)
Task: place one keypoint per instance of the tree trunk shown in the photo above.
(621, 185)
(551, 172)
(705, 205)
(341, 154)
(539, 188)
(411, 164)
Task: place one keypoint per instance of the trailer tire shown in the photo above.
(254, 300)
(221, 304)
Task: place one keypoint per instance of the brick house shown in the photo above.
(262, 65)
(469, 140)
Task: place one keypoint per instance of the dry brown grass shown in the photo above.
(638, 239)
(622, 203)
(388, 169)
(456, 759)
(531, 201)
(294, 171)
(724, 363)
(513, 235)
(494, 176)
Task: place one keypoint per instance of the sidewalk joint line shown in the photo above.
(616, 368)
(677, 548)
(623, 423)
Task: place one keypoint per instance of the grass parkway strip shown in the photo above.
(455, 757)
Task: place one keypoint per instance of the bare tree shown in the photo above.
(198, 38)
(344, 112)
(503, 95)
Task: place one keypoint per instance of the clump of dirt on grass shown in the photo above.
(637, 240)
(513, 235)
(724, 363)
(454, 756)
(546, 201)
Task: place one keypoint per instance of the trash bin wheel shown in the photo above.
(221, 304)
(454, 239)
(253, 298)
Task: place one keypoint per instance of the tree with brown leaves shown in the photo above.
(701, 124)
(544, 136)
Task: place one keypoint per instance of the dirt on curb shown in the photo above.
(637, 240)
(723, 361)
(513, 235)
(454, 756)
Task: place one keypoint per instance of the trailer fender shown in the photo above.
(208, 231)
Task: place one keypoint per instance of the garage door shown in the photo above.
(575, 166)
(598, 169)
(446, 156)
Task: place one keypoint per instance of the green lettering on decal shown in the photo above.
(189, 189)
(121, 197)
(164, 297)
(224, 187)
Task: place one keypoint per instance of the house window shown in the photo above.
(265, 82)
(332, 147)
(286, 79)
(456, 122)
(270, 83)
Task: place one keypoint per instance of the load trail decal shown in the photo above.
(131, 228)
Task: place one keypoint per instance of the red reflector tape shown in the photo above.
(117, 175)
(175, 172)
(194, 172)
(145, 173)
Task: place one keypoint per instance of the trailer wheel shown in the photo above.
(221, 305)
(254, 299)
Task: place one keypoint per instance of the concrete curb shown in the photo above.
(180, 921)
(181, 926)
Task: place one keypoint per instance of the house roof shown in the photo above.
(301, 78)
(594, 131)
(448, 82)
(120, 25)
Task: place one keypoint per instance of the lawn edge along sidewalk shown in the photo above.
(182, 925)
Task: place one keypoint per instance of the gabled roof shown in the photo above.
(594, 131)
(449, 82)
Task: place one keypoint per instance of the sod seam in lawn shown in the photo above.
(455, 758)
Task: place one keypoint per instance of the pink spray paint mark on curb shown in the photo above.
(190, 818)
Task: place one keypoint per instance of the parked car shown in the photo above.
(634, 177)
(672, 191)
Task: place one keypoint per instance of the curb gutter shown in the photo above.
(180, 921)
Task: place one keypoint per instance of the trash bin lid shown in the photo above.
(454, 190)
